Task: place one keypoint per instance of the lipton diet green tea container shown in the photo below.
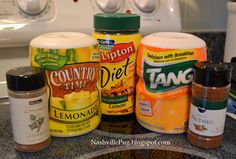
(165, 69)
(71, 62)
(118, 39)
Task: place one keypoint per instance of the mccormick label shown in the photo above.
(163, 90)
(73, 88)
(118, 76)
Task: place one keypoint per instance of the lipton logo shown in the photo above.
(165, 78)
(118, 53)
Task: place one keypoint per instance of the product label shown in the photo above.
(165, 78)
(74, 88)
(118, 60)
(207, 118)
(145, 108)
(78, 79)
(29, 119)
(163, 90)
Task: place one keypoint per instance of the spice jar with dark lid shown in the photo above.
(29, 108)
(210, 90)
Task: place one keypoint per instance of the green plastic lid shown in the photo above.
(116, 21)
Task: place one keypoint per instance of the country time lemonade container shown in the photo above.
(118, 39)
(164, 67)
(71, 62)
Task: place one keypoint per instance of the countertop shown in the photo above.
(116, 140)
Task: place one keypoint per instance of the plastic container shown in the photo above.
(163, 91)
(71, 61)
(118, 39)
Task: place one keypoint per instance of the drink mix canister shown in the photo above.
(165, 69)
(71, 63)
(118, 39)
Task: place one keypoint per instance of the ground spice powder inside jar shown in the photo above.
(210, 90)
(29, 108)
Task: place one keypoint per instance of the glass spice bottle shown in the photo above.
(28, 107)
(210, 90)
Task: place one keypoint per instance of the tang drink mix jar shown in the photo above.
(71, 62)
(164, 67)
(118, 39)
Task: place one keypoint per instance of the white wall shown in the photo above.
(204, 15)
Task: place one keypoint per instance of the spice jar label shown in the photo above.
(207, 118)
(30, 119)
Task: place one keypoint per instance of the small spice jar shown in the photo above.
(210, 90)
(29, 108)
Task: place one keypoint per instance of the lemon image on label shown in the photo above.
(58, 102)
(79, 100)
